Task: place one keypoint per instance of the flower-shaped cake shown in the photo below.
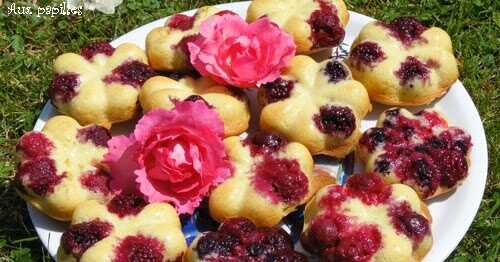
(123, 229)
(317, 105)
(167, 46)
(238, 239)
(100, 85)
(367, 220)
(403, 62)
(419, 150)
(230, 103)
(314, 24)
(59, 166)
(271, 178)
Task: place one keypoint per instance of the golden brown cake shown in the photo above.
(367, 220)
(238, 239)
(314, 24)
(230, 103)
(271, 178)
(317, 105)
(167, 46)
(123, 229)
(419, 150)
(403, 62)
(101, 84)
(59, 166)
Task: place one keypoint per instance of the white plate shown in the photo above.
(452, 214)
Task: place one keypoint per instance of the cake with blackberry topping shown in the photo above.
(316, 104)
(238, 239)
(314, 24)
(101, 84)
(123, 229)
(367, 220)
(230, 103)
(166, 46)
(271, 178)
(420, 150)
(60, 166)
(403, 62)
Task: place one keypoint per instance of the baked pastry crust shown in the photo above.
(239, 196)
(67, 168)
(300, 18)
(395, 245)
(296, 115)
(433, 158)
(231, 104)
(107, 85)
(164, 44)
(156, 223)
(403, 69)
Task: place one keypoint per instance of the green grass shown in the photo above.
(28, 45)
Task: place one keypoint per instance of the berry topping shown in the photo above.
(382, 166)
(80, 237)
(372, 138)
(408, 222)
(39, 175)
(406, 29)
(126, 204)
(263, 142)
(34, 144)
(326, 29)
(367, 54)
(181, 22)
(360, 245)
(335, 196)
(322, 234)
(335, 120)
(238, 239)
(183, 44)
(96, 181)
(225, 12)
(98, 135)
(132, 73)
(139, 248)
(97, 48)
(336, 71)
(63, 87)
(194, 98)
(370, 188)
(412, 69)
(453, 167)
(281, 179)
(277, 90)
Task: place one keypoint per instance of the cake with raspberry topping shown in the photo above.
(367, 220)
(101, 84)
(59, 166)
(420, 150)
(230, 103)
(403, 62)
(238, 239)
(316, 104)
(167, 46)
(314, 24)
(271, 178)
(123, 229)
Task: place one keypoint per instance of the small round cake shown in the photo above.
(124, 229)
(101, 84)
(317, 105)
(419, 150)
(167, 46)
(230, 103)
(403, 62)
(367, 220)
(271, 178)
(59, 167)
(314, 24)
(238, 239)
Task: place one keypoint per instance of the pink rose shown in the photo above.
(173, 156)
(235, 53)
